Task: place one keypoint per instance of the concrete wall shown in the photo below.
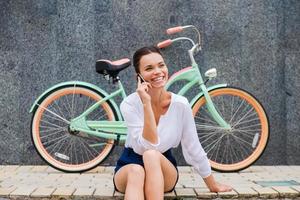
(253, 44)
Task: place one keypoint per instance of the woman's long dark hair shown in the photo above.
(142, 52)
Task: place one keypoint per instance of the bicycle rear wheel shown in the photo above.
(238, 148)
(63, 149)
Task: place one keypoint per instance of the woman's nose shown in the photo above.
(157, 70)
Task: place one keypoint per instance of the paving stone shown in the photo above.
(4, 176)
(7, 183)
(42, 192)
(63, 191)
(99, 169)
(284, 168)
(286, 192)
(294, 167)
(109, 170)
(191, 184)
(228, 195)
(246, 192)
(53, 177)
(266, 192)
(118, 194)
(23, 191)
(84, 192)
(25, 180)
(104, 192)
(184, 170)
(256, 168)
(273, 169)
(169, 194)
(4, 192)
(297, 188)
(52, 170)
(10, 168)
(185, 192)
(78, 183)
(204, 193)
(178, 185)
(39, 168)
(24, 169)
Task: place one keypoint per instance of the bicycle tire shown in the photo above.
(46, 128)
(238, 148)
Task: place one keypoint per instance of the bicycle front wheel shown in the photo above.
(63, 149)
(237, 148)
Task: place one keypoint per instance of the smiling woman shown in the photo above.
(157, 121)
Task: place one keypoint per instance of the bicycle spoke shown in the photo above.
(49, 129)
(66, 103)
(217, 150)
(57, 108)
(54, 114)
(224, 152)
(242, 141)
(102, 116)
(248, 122)
(52, 125)
(211, 135)
(245, 116)
(53, 118)
(57, 143)
(87, 105)
(205, 119)
(240, 105)
(73, 105)
(48, 135)
(86, 149)
(213, 144)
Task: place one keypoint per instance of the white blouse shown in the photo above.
(175, 126)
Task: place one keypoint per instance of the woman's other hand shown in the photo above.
(215, 186)
(218, 187)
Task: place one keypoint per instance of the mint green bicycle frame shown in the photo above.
(117, 130)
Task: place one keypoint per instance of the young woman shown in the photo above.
(157, 121)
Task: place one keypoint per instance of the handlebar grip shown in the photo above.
(164, 44)
(174, 30)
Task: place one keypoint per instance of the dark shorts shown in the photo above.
(130, 157)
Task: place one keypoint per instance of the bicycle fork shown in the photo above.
(212, 109)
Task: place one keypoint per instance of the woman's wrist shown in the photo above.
(210, 182)
(146, 103)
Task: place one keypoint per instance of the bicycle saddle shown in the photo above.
(112, 68)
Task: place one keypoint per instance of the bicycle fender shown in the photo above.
(192, 102)
(71, 83)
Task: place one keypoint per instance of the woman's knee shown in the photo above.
(136, 172)
(151, 155)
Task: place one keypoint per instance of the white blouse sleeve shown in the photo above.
(192, 150)
(134, 121)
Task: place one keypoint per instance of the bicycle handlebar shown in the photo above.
(174, 30)
(164, 44)
(196, 46)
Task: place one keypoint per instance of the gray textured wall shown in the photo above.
(254, 45)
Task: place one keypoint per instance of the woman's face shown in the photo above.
(154, 70)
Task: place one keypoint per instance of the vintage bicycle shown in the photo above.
(75, 124)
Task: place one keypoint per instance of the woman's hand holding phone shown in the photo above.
(142, 89)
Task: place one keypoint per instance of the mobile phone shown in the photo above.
(142, 79)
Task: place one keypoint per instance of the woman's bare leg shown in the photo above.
(130, 180)
(161, 175)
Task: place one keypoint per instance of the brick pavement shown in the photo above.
(43, 182)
